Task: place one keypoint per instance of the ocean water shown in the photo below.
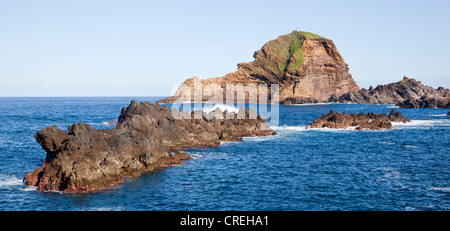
(406, 168)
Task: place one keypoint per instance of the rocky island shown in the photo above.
(146, 137)
(361, 121)
(407, 93)
(307, 67)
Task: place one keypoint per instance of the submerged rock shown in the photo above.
(146, 137)
(360, 121)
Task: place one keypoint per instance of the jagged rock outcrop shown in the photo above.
(407, 93)
(147, 136)
(306, 66)
(361, 121)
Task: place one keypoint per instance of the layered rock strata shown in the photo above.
(307, 67)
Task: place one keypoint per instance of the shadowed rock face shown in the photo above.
(306, 66)
(361, 121)
(146, 137)
(407, 93)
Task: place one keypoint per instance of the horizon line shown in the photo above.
(75, 96)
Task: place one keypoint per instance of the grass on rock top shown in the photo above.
(290, 47)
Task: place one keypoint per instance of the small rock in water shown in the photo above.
(361, 121)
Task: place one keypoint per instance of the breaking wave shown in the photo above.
(440, 189)
(8, 181)
(289, 128)
(421, 124)
(211, 107)
(311, 104)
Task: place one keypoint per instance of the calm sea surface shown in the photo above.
(407, 168)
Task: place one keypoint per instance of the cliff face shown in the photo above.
(407, 93)
(306, 66)
(147, 136)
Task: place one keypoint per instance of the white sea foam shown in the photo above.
(303, 128)
(195, 156)
(29, 188)
(108, 124)
(311, 104)
(389, 174)
(287, 128)
(211, 107)
(9, 180)
(102, 124)
(411, 146)
(351, 128)
(259, 138)
(105, 209)
(386, 143)
(392, 106)
(226, 142)
(421, 124)
(440, 115)
(447, 189)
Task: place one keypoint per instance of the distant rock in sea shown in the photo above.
(307, 67)
(407, 93)
(361, 121)
(147, 136)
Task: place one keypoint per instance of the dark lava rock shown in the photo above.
(407, 93)
(361, 121)
(146, 137)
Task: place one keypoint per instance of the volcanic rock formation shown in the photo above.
(370, 121)
(307, 68)
(147, 136)
(407, 93)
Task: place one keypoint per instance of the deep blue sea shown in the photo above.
(406, 168)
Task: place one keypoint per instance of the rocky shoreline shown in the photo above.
(361, 121)
(146, 137)
(407, 93)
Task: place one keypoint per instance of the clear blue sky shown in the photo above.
(144, 48)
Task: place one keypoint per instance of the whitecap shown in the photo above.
(311, 104)
(286, 127)
(7, 181)
(29, 188)
(196, 156)
(227, 142)
(106, 209)
(421, 124)
(411, 146)
(211, 107)
(101, 124)
(393, 106)
(258, 138)
(446, 189)
(439, 115)
(351, 128)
